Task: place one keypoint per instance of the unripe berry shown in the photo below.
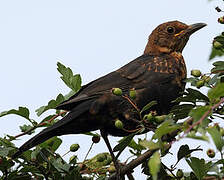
(196, 73)
(119, 124)
(117, 91)
(96, 139)
(200, 83)
(211, 153)
(74, 147)
(179, 173)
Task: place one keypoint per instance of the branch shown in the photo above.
(133, 164)
(203, 117)
(40, 125)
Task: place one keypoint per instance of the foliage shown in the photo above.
(196, 116)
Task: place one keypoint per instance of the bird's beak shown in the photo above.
(191, 29)
(194, 27)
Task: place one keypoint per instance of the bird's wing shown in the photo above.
(133, 75)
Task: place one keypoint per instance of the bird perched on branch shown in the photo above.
(157, 75)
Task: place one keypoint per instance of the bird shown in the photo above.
(157, 75)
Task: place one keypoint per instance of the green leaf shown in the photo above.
(4, 151)
(123, 143)
(22, 111)
(197, 137)
(165, 128)
(216, 137)
(199, 166)
(147, 106)
(26, 128)
(214, 79)
(149, 144)
(181, 111)
(216, 92)
(70, 94)
(35, 152)
(135, 146)
(72, 81)
(52, 143)
(60, 165)
(198, 112)
(192, 95)
(184, 150)
(154, 165)
(52, 104)
(215, 52)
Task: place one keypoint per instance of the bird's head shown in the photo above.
(170, 37)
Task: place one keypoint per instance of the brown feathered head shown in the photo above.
(170, 37)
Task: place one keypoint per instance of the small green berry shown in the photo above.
(74, 147)
(117, 91)
(196, 73)
(119, 124)
(179, 173)
(132, 94)
(211, 153)
(200, 83)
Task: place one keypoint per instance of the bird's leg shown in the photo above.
(116, 164)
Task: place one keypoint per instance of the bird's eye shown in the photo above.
(170, 30)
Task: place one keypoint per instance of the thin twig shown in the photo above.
(88, 151)
(133, 164)
(40, 125)
(131, 102)
(133, 130)
(203, 117)
(170, 170)
(130, 176)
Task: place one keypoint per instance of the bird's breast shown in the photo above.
(170, 64)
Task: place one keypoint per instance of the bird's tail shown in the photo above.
(70, 124)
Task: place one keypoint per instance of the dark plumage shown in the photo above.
(156, 75)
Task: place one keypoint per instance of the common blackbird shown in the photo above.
(157, 75)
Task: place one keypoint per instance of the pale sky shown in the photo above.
(93, 38)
